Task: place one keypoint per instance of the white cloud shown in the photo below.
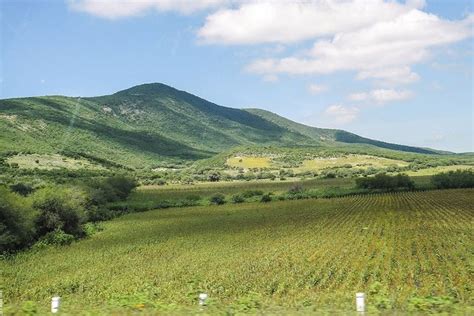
(270, 21)
(390, 76)
(316, 88)
(378, 40)
(381, 96)
(339, 115)
(383, 51)
(270, 78)
(115, 9)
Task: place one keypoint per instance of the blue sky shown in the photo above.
(395, 71)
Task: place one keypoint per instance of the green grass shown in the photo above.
(287, 256)
(154, 195)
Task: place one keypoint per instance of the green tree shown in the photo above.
(16, 221)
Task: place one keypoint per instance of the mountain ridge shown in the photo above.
(156, 122)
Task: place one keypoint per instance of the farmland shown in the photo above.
(408, 251)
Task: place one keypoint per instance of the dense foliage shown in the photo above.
(57, 214)
(59, 209)
(383, 181)
(454, 179)
(16, 221)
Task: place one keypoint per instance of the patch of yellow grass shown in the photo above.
(358, 161)
(49, 162)
(249, 162)
(436, 170)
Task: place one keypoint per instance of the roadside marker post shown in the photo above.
(202, 299)
(55, 304)
(360, 302)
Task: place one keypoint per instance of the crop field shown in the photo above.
(154, 196)
(205, 190)
(407, 251)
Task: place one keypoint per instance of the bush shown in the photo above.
(22, 189)
(238, 198)
(110, 189)
(218, 199)
(385, 182)
(16, 221)
(433, 304)
(266, 198)
(122, 186)
(97, 214)
(296, 188)
(251, 193)
(214, 177)
(55, 238)
(59, 208)
(92, 228)
(454, 179)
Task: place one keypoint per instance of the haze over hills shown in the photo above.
(155, 122)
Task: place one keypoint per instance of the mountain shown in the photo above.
(153, 123)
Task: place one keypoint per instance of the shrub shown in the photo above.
(122, 186)
(237, 198)
(96, 214)
(385, 182)
(266, 198)
(295, 188)
(193, 197)
(16, 221)
(110, 189)
(92, 228)
(214, 177)
(22, 188)
(59, 208)
(55, 238)
(379, 296)
(251, 193)
(218, 199)
(434, 304)
(454, 179)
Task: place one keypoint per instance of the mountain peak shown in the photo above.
(148, 89)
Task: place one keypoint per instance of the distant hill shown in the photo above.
(153, 123)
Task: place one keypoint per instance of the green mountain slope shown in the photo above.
(153, 123)
(333, 136)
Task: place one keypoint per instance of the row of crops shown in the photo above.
(407, 251)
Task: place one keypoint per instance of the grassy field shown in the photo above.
(154, 196)
(249, 162)
(407, 251)
(359, 161)
(53, 161)
(436, 170)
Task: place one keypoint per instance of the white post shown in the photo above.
(360, 302)
(55, 304)
(202, 299)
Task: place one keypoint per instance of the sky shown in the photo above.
(397, 71)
